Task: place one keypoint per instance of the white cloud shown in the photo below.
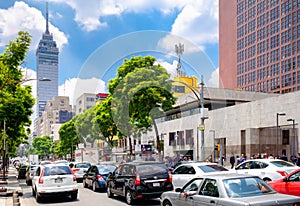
(21, 17)
(75, 87)
(214, 79)
(171, 68)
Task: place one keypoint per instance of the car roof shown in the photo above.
(226, 175)
(142, 163)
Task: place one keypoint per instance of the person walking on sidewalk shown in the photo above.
(232, 160)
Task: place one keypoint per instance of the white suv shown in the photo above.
(54, 180)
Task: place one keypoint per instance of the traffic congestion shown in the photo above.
(138, 182)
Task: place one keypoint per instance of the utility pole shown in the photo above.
(4, 153)
(202, 128)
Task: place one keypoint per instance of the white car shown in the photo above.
(80, 169)
(62, 161)
(186, 171)
(266, 169)
(54, 180)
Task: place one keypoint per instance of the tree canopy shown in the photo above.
(16, 100)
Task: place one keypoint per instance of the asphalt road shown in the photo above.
(86, 197)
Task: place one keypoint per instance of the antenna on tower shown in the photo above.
(47, 19)
(179, 49)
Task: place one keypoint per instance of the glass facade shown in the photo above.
(268, 35)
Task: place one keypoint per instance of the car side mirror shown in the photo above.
(178, 190)
(285, 179)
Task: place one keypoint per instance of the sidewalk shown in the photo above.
(11, 185)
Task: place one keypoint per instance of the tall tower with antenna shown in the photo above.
(179, 49)
(47, 67)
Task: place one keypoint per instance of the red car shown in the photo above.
(288, 185)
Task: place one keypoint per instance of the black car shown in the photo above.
(96, 176)
(139, 180)
(22, 171)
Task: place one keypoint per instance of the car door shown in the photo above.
(91, 175)
(119, 181)
(36, 177)
(208, 193)
(182, 175)
(188, 192)
(292, 186)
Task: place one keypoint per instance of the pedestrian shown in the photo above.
(232, 160)
(284, 157)
(271, 157)
(298, 160)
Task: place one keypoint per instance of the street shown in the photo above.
(86, 197)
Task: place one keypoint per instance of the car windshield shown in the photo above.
(105, 169)
(82, 165)
(282, 164)
(152, 169)
(212, 168)
(57, 170)
(246, 186)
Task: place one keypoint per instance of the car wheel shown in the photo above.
(108, 191)
(33, 192)
(37, 197)
(84, 183)
(167, 203)
(94, 187)
(74, 196)
(129, 198)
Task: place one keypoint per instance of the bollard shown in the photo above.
(16, 197)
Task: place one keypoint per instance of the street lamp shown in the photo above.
(203, 113)
(40, 80)
(294, 136)
(277, 127)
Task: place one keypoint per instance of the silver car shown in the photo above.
(226, 189)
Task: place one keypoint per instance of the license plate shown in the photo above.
(58, 180)
(156, 184)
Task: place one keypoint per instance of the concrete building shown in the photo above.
(259, 45)
(57, 111)
(88, 100)
(240, 121)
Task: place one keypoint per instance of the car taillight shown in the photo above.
(76, 170)
(137, 180)
(74, 178)
(99, 177)
(283, 173)
(170, 177)
(41, 181)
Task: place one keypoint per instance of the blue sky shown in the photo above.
(86, 30)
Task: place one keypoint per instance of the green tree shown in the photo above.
(16, 101)
(137, 89)
(42, 146)
(69, 137)
(104, 118)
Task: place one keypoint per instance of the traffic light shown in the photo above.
(218, 147)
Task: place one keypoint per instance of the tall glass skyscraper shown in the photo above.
(47, 67)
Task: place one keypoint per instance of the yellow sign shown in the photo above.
(201, 127)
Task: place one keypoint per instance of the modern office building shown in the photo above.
(88, 100)
(47, 67)
(259, 44)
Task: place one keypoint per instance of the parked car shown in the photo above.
(45, 162)
(186, 171)
(139, 180)
(29, 174)
(96, 176)
(288, 185)
(54, 180)
(266, 169)
(79, 169)
(66, 162)
(226, 189)
(22, 171)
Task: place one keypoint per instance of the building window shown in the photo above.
(172, 139)
(180, 138)
(189, 137)
(179, 89)
(285, 137)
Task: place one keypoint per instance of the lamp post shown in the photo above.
(214, 140)
(294, 136)
(277, 127)
(203, 113)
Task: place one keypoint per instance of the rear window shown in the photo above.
(57, 170)
(82, 165)
(212, 168)
(105, 169)
(282, 164)
(152, 169)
